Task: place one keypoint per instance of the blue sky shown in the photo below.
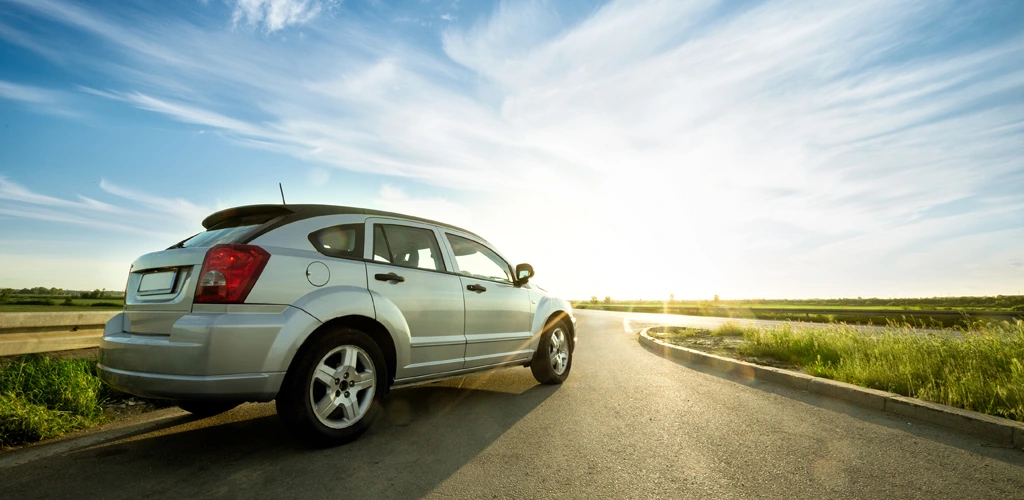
(774, 148)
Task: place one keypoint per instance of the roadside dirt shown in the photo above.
(130, 407)
(700, 339)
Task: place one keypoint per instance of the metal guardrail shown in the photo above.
(26, 333)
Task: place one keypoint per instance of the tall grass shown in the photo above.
(980, 369)
(43, 397)
(729, 329)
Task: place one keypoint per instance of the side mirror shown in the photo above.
(523, 274)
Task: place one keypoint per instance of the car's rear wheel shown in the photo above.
(333, 391)
(207, 408)
(553, 359)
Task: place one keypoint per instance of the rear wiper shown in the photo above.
(181, 244)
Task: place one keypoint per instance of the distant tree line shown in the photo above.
(10, 294)
(993, 302)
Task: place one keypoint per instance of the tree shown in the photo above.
(716, 297)
(671, 297)
(593, 299)
(95, 294)
(607, 300)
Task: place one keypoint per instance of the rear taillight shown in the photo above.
(229, 272)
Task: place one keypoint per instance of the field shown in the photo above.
(58, 303)
(942, 312)
(980, 369)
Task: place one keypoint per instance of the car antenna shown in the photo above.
(279, 186)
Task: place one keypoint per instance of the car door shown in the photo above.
(407, 267)
(498, 316)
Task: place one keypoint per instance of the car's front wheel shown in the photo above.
(553, 359)
(333, 392)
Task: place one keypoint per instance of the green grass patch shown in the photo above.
(730, 329)
(43, 397)
(981, 369)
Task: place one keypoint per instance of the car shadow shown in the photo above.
(423, 436)
(923, 430)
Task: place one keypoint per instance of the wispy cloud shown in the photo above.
(26, 93)
(275, 15)
(151, 216)
(39, 98)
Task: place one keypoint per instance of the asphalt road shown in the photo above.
(626, 424)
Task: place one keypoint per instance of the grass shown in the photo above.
(729, 329)
(824, 314)
(64, 305)
(43, 397)
(982, 369)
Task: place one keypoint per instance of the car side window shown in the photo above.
(478, 261)
(345, 241)
(407, 246)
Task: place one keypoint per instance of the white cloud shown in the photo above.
(178, 208)
(26, 93)
(275, 15)
(41, 99)
(394, 199)
(148, 215)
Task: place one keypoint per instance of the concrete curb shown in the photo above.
(999, 430)
(85, 438)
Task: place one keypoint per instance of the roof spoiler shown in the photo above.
(247, 210)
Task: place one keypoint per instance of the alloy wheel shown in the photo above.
(342, 387)
(558, 353)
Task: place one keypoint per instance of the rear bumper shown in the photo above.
(242, 386)
(239, 355)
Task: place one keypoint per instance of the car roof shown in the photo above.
(294, 213)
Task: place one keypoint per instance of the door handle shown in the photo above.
(389, 277)
(476, 288)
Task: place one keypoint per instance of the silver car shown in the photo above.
(324, 309)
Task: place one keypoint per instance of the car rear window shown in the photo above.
(235, 230)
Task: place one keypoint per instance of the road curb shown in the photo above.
(999, 430)
(85, 438)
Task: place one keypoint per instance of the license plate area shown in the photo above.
(158, 282)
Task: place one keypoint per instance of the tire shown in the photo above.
(205, 409)
(553, 359)
(337, 404)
